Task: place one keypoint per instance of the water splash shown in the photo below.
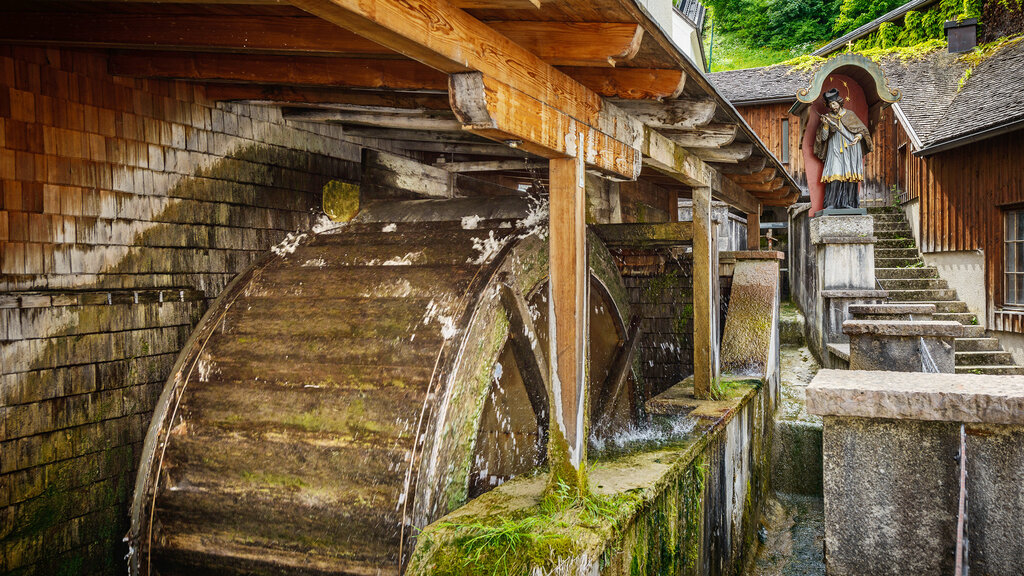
(656, 433)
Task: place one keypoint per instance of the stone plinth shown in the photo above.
(835, 306)
(902, 346)
(891, 480)
(826, 229)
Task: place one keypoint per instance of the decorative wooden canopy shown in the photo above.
(464, 73)
(864, 71)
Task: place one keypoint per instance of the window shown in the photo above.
(1013, 271)
(785, 140)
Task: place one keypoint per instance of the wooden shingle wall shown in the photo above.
(125, 206)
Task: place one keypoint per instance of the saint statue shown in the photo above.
(841, 143)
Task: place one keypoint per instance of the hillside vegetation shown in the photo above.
(750, 33)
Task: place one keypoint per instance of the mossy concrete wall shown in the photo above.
(691, 508)
(125, 206)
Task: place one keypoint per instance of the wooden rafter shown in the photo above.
(629, 83)
(730, 154)
(305, 95)
(494, 110)
(771, 186)
(754, 164)
(679, 114)
(708, 136)
(766, 175)
(264, 69)
(575, 43)
(448, 39)
(376, 118)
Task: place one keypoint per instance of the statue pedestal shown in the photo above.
(844, 253)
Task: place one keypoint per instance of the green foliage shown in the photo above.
(730, 52)
(856, 13)
(774, 24)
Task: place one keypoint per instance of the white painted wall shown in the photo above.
(912, 210)
(965, 272)
(1012, 343)
(685, 36)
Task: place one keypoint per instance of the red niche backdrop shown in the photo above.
(853, 100)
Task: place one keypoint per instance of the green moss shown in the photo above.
(341, 200)
(285, 481)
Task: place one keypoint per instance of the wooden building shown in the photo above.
(949, 153)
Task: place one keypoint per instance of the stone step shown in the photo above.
(961, 317)
(942, 306)
(881, 262)
(972, 331)
(880, 210)
(922, 295)
(912, 283)
(895, 253)
(895, 244)
(984, 358)
(905, 273)
(892, 224)
(893, 235)
(994, 370)
(976, 344)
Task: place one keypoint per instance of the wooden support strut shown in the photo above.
(529, 358)
(754, 229)
(705, 305)
(568, 301)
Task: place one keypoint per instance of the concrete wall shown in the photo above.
(912, 210)
(1012, 343)
(126, 206)
(892, 474)
(965, 272)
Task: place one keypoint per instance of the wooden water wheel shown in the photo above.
(357, 384)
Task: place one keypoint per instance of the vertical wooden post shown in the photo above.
(705, 307)
(568, 304)
(754, 229)
(673, 206)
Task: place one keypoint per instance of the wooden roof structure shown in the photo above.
(473, 80)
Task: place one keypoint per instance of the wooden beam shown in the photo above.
(705, 305)
(772, 186)
(486, 166)
(629, 83)
(575, 43)
(209, 33)
(673, 160)
(382, 120)
(494, 110)
(492, 150)
(533, 367)
(271, 94)
(766, 175)
(678, 114)
(754, 229)
(387, 175)
(708, 136)
(755, 164)
(448, 39)
(569, 284)
(263, 69)
(727, 154)
(645, 235)
(785, 201)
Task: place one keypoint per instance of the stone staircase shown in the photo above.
(900, 270)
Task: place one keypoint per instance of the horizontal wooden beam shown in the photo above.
(208, 33)
(760, 177)
(575, 43)
(272, 94)
(439, 34)
(770, 186)
(629, 83)
(750, 166)
(785, 201)
(673, 160)
(263, 69)
(728, 154)
(645, 235)
(708, 136)
(445, 122)
(678, 114)
(494, 110)
(488, 166)
(491, 150)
